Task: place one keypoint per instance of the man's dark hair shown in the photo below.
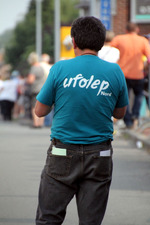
(131, 27)
(88, 33)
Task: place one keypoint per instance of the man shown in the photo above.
(86, 92)
(132, 47)
(35, 79)
(45, 63)
(107, 52)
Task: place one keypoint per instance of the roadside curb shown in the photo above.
(141, 135)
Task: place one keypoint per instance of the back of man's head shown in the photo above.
(88, 33)
(32, 58)
(132, 27)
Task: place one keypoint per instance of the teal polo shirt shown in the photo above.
(84, 91)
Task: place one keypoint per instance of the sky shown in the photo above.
(11, 12)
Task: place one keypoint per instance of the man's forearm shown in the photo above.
(42, 109)
(119, 113)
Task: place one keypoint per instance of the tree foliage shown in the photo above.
(24, 38)
(69, 11)
(5, 38)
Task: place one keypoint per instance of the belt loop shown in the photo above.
(109, 141)
(54, 141)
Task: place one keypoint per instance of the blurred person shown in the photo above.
(146, 75)
(8, 97)
(132, 47)
(27, 101)
(15, 75)
(1, 84)
(86, 92)
(45, 63)
(20, 109)
(35, 79)
(147, 36)
(109, 53)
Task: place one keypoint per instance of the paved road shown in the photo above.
(22, 157)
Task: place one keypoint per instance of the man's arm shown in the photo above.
(30, 79)
(119, 113)
(42, 109)
(114, 42)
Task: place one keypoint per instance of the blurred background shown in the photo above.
(36, 25)
(43, 27)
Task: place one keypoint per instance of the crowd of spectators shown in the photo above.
(18, 92)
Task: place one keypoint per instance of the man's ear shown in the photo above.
(74, 44)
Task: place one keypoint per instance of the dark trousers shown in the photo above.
(85, 172)
(133, 112)
(6, 109)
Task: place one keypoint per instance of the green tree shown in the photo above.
(69, 11)
(5, 38)
(23, 41)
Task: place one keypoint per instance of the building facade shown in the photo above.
(116, 13)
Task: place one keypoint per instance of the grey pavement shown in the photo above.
(142, 133)
(22, 157)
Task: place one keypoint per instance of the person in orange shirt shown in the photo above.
(132, 47)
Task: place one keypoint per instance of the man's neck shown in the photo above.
(133, 32)
(80, 52)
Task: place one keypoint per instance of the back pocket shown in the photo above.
(103, 166)
(58, 166)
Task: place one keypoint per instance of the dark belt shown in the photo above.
(59, 144)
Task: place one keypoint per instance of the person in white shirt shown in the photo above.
(1, 84)
(108, 53)
(8, 97)
(45, 63)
